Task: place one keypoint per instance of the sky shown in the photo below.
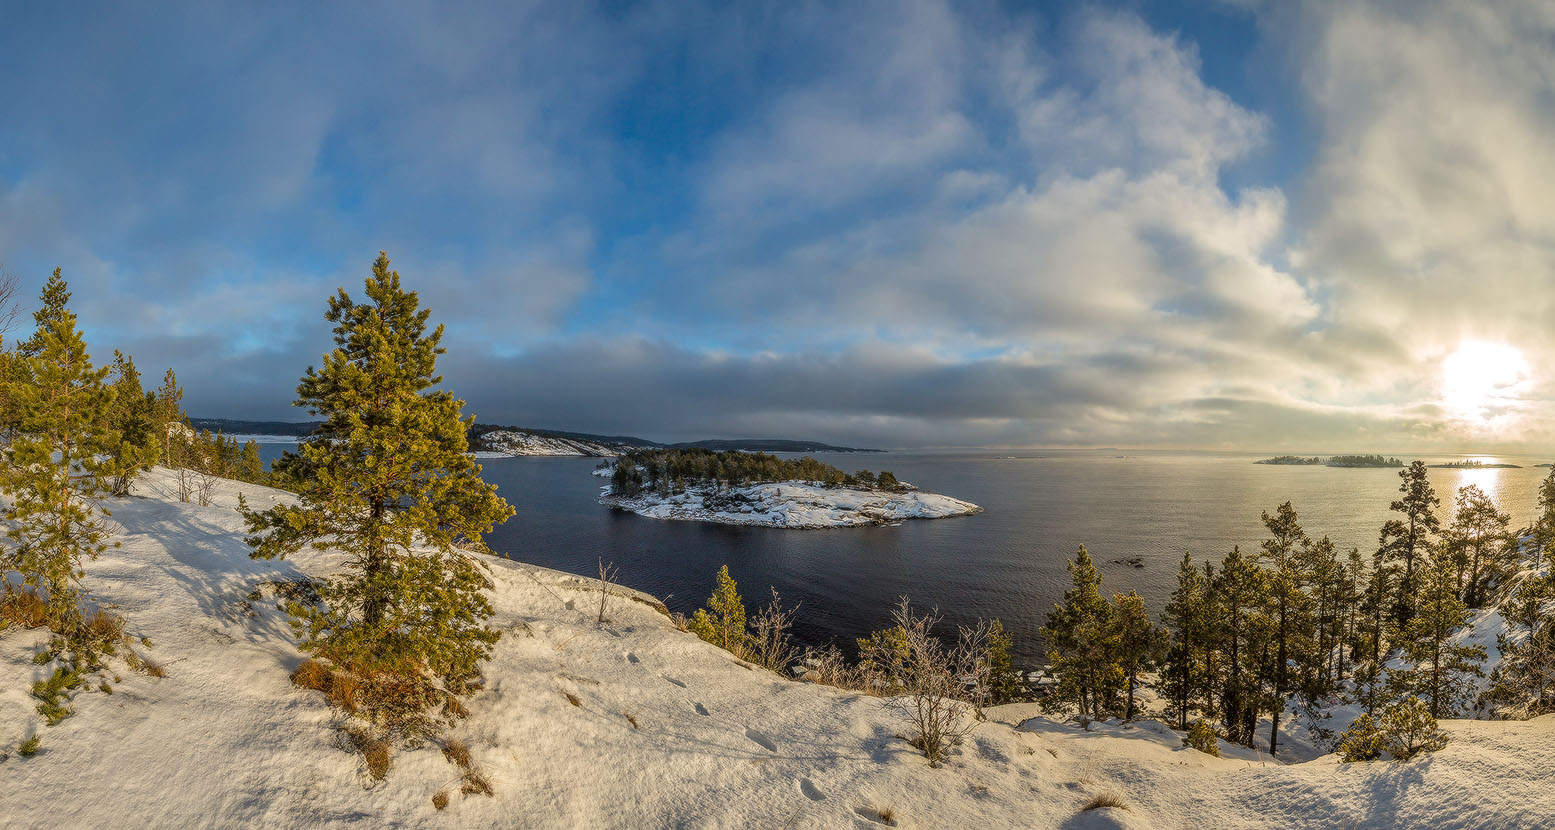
(1228, 225)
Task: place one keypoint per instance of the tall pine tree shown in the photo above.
(1082, 643)
(1407, 542)
(60, 461)
(390, 483)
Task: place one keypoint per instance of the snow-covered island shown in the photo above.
(628, 724)
(794, 504)
(742, 488)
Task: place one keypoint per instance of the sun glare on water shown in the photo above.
(1482, 381)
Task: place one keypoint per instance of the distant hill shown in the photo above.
(765, 445)
(530, 441)
(232, 427)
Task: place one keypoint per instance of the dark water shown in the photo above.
(1007, 562)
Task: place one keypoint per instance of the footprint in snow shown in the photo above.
(673, 680)
(632, 658)
(810, 790)
(701, 710)
(765, 742)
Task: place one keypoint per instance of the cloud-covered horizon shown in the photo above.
(1219, 225)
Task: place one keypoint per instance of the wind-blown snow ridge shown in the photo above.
(792, 504)
(226, 741)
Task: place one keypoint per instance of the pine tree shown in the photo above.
(59, 463)
(392, 485)
(1407, 541)
(1283, 551)
(1185, 617)
(1003, 679)
(722, 622)
(1240, 589)
(1140, 643)
(1082, 640)
(133, 418)
(168, 413)
(1439, 671)
(1483, 548)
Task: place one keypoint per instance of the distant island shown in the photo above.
(498, 440)
(1473, 464)
(1333, 461)
(732, 487)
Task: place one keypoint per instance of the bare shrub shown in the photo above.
(1104, 799)
(607, 574)
(829, 667)
(772, 646)
(935, 681)
(204, 487)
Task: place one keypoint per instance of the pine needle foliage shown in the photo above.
(60, 461)
(387, 479)
(722, 622)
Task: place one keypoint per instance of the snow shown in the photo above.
(795, 504)
(225, 740)
(505, 442)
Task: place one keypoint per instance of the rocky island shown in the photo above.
(761, 489)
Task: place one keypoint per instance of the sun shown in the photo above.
(1483, 380)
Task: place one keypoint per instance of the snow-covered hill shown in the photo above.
(508, 442)
(792, 504)
(667, 731)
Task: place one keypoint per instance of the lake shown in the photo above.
(1007, 562)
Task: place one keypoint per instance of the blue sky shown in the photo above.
(1211, 224)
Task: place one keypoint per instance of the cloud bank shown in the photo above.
(897, 224)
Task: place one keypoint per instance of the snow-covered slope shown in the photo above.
(793, 504)
(225, 740)
(506, 442)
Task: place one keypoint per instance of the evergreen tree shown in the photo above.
(1082, 641)
(1283, 551)
(1482, 547)
(60, 461)
(392, 485)
(1140, 643)
(1240, 589)
(168, 413)
(1003, 680)
(1440, 671)
(133, 418)
(1186, 617)
(722, 622)
(1407, 541)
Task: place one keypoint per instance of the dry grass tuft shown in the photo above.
(1108, 798)
(152, 668)
(343, 691)
(631, 720)
(458, 752)
(476, 783)
(375, 752)
(23, 609)
(312, 675)
(573, 699)
(105, 628)
(440, 799)
(887, 815)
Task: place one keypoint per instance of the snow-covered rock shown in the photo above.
(509, 442)
(792, 504)
(226, 741)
